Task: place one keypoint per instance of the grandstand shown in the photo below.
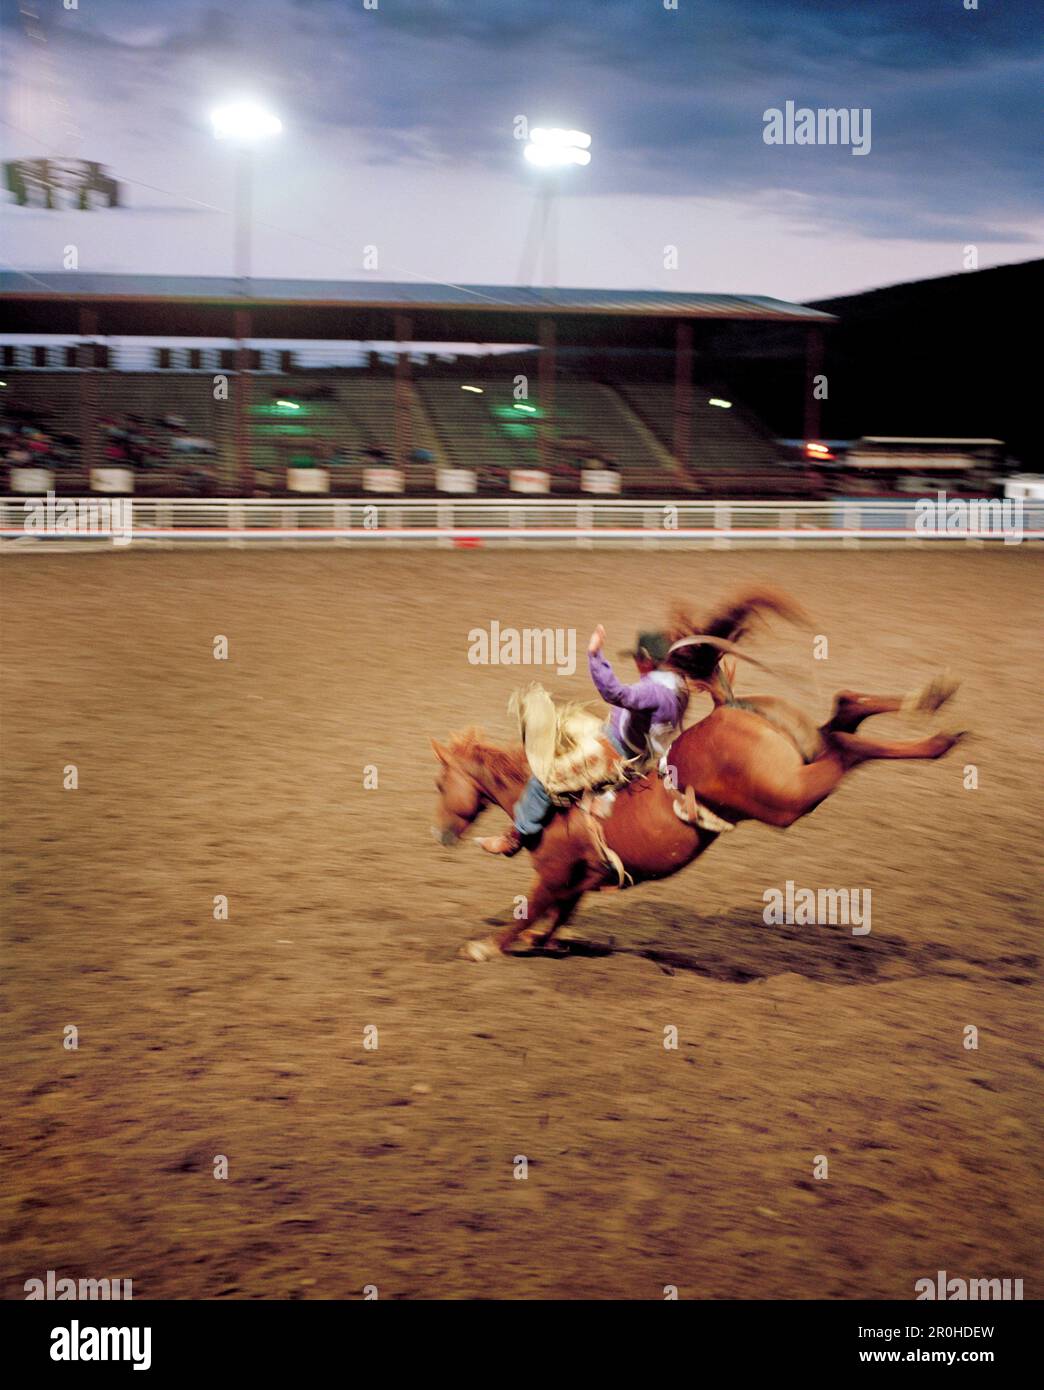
(286, 406)
(730, 449)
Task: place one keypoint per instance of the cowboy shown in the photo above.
(645, 720)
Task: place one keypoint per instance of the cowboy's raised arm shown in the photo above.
(644, 694)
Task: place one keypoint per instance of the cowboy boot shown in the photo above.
(506, 845)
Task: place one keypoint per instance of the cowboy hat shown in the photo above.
(653, 646)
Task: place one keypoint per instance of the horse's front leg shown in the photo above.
(557, 917)
(586, 875)
(541, 900)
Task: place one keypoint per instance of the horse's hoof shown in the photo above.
(480, 950)
(944, 742)
(526, 945)
(932, 696)
(552, 946)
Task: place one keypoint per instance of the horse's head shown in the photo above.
(460, 797)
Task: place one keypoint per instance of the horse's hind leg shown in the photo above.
(781, 802)
(855, 748)
(801, 793)
(851, 708)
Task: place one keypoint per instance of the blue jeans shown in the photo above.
(534, 808)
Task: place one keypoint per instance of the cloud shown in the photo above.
(674, 98)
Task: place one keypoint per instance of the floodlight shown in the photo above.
(553, 148)
(244, 120)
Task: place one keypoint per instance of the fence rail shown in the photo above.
(27, 523)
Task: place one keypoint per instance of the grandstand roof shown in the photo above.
(366, 311)
(405, 296)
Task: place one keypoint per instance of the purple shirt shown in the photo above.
(653, 706)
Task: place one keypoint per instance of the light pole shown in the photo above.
(244, 124)
(551, 151)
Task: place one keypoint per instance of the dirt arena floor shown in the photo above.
(647, 1167)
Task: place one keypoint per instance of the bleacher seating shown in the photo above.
(732, 455)
(342, 417)
(471, 434)
(599, 413)
(593, 422)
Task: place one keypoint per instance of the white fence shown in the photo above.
(34, 523)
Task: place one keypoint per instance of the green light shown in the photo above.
(288, 405)
(529, 409)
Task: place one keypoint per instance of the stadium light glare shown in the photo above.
(243, 124)
(716, 400)
(476, 389)
(553, 136)
(288, 405)
(553, 148)
(244, 120)
(550, 151)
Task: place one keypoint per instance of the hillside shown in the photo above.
(950, 356)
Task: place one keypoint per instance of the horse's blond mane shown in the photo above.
(505, 765)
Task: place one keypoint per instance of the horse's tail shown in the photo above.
(698, 659)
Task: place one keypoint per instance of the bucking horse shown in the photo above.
(751, 758)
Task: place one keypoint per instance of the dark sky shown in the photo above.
(399, 134)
